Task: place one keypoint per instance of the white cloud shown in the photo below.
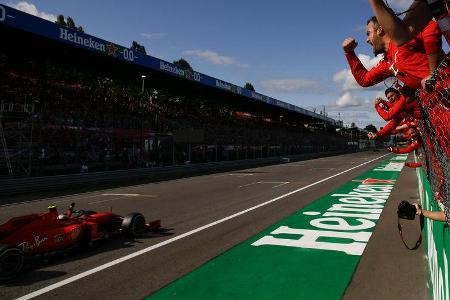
(347, 100)
(153, 35)
(400, 4)
(356, 102)
(357, 107)
(31, 9)
(292, 85)
(360, 118)
(214, 57)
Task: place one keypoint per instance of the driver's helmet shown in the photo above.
(62, 217)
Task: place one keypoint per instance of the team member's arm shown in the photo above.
(364, 77)
(388, 128)
(395, 109)
(381, 107)
(404, 125)
(431, 36)
(381, 112)
(434, 215)
(413, 146)
(402, 31)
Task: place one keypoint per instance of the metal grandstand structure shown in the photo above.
(93, 107)
(16, 137)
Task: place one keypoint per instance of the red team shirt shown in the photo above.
(409, 62)
(413, 146)
(399, 109)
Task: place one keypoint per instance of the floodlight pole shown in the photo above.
(279, 134)
(143, 83)
(142, 117)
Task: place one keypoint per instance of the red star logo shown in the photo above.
(372, 180)
(112, 49)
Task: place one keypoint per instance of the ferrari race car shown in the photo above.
(45, 233)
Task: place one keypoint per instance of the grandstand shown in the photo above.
(70, 99)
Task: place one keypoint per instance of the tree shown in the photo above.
(70, 23)
(138, 47)
(60, 20)
(249, 86)
(183, 64)
(371, 128)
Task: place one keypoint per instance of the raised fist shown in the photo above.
(372, 136)
(349, 44)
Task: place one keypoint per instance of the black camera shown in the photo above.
(406, 210)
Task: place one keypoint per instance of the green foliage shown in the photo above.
(183, 64)
(249, 86)
(60, 20)
(138, 47)
(371, 128)
(70, 23)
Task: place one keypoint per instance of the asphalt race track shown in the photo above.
(187, 208)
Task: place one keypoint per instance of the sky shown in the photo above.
(288, 49)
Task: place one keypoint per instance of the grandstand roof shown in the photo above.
(23, 21)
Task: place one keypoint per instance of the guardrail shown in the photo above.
(99, 180)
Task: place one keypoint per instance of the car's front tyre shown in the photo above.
(133, 225)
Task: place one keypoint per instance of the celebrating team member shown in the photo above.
(417, 16)
(397, 111)
(410, 63)
(397, 106)
(415, 143)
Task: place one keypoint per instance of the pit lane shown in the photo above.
(183, 206)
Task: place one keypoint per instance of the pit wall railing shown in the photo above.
(437, 241)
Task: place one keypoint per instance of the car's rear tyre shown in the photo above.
(11, 262)
(133, 225)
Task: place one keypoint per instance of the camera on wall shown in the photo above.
(406, 210)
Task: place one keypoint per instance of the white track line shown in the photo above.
(106, 200)
(281, 184)
(181, 236)
(125, 195)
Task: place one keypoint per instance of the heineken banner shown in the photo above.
(311, 254)
(23, 21)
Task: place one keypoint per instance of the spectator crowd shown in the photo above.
(86, 121)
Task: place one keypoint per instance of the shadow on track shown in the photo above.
(32, 272)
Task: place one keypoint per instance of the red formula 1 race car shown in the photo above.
(45, 233)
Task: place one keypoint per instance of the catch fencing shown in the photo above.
(435, 132)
